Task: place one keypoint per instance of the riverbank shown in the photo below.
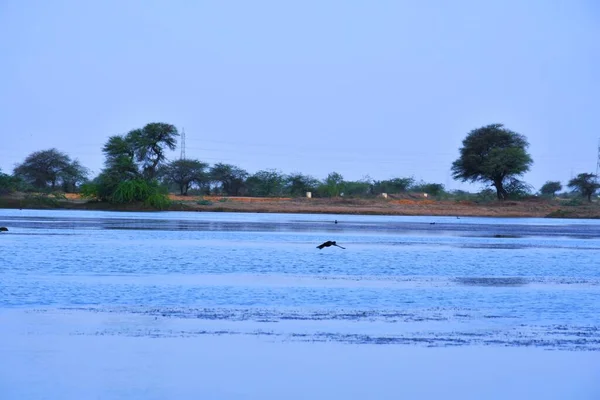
(410, 205)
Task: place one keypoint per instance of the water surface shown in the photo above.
(434, 281)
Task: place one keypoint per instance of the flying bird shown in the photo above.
(329, 243)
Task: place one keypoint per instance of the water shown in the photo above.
(426, 281)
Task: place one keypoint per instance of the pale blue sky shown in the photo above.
(384, 88)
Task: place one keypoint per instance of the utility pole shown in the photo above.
(182, 156)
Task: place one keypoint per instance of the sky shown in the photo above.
(364, 88)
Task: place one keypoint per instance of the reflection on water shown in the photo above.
(474, 277)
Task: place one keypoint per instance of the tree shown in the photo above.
(131, 166)
(357, 188)
(229, 177)
(517, 189)
(433, 189)
(120, 156)
(550, 188)
(395, 185)
(298, 184)
(333, 185)
(492, 154)
(586, 184)
(9, 184)
(49, 169)
(140, 152)
(266, 183)
(150, 143)
(73, 176)
(184, 173)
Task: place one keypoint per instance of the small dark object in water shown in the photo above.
(3, 229)
(335, 221)
(432, 223)
(329, 243)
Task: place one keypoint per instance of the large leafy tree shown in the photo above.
(50, 169)
(586, 184)
(184, 173)
(229, 177)
(131, 166)
(140, 152)
(492, 154)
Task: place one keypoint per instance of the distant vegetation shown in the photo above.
(136, 170)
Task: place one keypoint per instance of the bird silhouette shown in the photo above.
(329, 243)
(3, 229)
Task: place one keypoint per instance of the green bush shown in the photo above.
(10, 184)
(89, 190)
(105, 188)
(159, 201)
(139, 190)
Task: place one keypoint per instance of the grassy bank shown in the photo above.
(400, 206)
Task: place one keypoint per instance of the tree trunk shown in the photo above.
(500, 191)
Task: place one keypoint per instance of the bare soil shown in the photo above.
(409, 205)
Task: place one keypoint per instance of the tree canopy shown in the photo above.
(184, 173)
(229, 178)
(395, 185)
(492, 154)
(550, 188)
(131, 166)
(586, 184)
(265, 183)
(140, 152)
(150, 143)
(298, 184)
(333, 185)
(51, 169)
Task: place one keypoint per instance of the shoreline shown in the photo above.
(532, 208)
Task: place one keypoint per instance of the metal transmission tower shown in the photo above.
(182, 156)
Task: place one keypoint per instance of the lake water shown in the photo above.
(424, 281)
